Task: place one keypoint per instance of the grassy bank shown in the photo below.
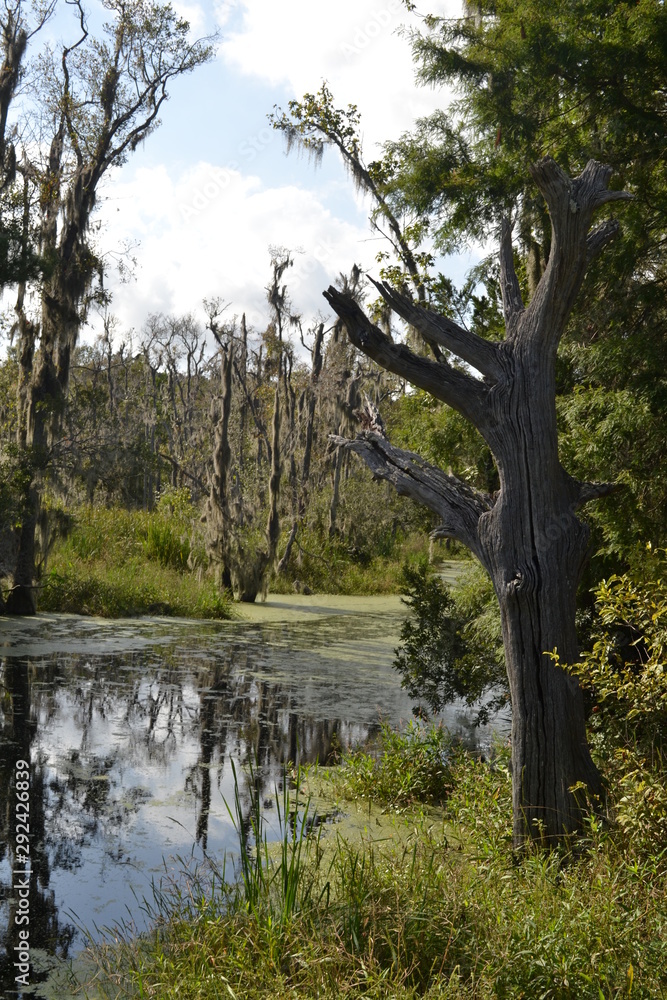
(115, 563)
(119, 563)
(423, 899)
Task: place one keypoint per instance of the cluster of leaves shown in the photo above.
(625, 674)
(451, 646)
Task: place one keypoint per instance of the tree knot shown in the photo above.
(523, 580)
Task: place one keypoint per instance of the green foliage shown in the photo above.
(137, 589)
(376, 530)
(402, 768)
(433, 904)
(107, 566)
(616, 435)
(625, 674)
(571, 79)
(626, 667)
(574, 80)
(451, 645)
(15, 476)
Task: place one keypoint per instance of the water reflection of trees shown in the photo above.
(86, 723)
(18, 730)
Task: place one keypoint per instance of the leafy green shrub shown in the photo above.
(625, 673)
(402, 768)
(176, 502)
(450, 644)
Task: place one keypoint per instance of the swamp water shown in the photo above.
(128, 727)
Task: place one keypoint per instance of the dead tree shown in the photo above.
(242, 562)
(527, 535)
(307, 404)
(100, 102)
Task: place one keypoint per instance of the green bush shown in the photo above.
(451, 646)
(625, 675)
(401, 768)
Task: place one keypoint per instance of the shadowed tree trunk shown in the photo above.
(527, 535)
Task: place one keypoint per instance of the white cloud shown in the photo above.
(206, 233)
(354, 45)
(193, 13)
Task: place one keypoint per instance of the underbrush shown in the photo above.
(399, 769)
(115, 563)
(135, 589)
(445, 910)
(332, 566)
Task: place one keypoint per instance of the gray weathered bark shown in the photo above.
(527, 536)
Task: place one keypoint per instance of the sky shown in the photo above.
(210, 192)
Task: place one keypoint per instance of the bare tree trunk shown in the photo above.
(240, 565)
(273, 523)
(300, 511)
(534, 548)
(527, 535)
(335, 492)
(217, 509)
(21, 599)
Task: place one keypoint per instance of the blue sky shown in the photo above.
(212, 189)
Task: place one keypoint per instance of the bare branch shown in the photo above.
(444, 332)
(571, 204)
(582, 194)
(458, 505)
(593, 491)
(509, 283)
(463, 392)
(600, 237)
